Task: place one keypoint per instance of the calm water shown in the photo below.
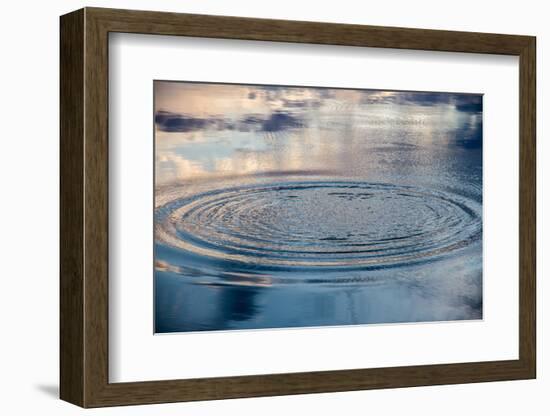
(292, 207)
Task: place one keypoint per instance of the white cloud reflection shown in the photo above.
(217, 130)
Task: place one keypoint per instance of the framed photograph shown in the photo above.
(256, 207)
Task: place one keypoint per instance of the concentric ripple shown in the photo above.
(320, 224)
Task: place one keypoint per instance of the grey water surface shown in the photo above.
(281, 207)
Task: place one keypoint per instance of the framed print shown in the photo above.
(261, 207)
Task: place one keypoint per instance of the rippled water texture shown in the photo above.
(307, 207)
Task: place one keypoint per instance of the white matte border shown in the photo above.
(135, 354)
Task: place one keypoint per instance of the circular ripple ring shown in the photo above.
(320, 224)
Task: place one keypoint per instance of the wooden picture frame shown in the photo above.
(84, 207)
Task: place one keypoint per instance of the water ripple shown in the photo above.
(311, 224)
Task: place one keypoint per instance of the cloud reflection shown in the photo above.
(182, 123)
(212, 130)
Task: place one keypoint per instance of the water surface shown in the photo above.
(292, 207)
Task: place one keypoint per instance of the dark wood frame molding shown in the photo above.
(84, 207)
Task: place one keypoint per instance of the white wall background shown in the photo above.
(29, 158)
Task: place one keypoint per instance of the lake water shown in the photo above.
(282, 207)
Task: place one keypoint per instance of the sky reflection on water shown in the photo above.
(288, 206)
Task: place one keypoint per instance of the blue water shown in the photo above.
(306, 208)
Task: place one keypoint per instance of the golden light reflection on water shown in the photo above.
(227, 130)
